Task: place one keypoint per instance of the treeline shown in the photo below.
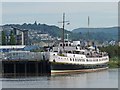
(8, 40)
(43, 28)
(99, 34)
(114, 54)
(113, 51)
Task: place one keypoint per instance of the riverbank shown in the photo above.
(114, 62)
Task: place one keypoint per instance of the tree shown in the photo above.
(12, 38)
(3, 38)
(113, 51)
(35, 23)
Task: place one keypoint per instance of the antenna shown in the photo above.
(88, 29)
(88, 21)
(63, 24)
(88, 26)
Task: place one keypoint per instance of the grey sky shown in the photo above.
(102, 14)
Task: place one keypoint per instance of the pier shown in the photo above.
(25, 65)
(25, 68)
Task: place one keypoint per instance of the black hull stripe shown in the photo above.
(61, 66)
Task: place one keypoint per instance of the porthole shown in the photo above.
(54, 60)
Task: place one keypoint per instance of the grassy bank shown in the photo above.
(114, 62)
(114, 54)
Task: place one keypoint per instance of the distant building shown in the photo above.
(112, 43)
(21, 36)
(44, 36)
(7, 48)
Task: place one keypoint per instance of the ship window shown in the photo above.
(69, 51)
(82, 52)
(69, 44)
(87, 53)
(66, 44)
(53, 54)
(70, 59)
(60, 44)
(53, 60)
(73, 59)
(76, 48)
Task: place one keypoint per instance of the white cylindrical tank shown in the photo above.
(75, 43)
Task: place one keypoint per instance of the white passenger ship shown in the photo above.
(74, 58)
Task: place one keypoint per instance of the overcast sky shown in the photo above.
(102, 14)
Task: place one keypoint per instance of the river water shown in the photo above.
(102, 79)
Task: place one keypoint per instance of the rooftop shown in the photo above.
(12, 46)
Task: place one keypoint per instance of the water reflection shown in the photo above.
(101, 79)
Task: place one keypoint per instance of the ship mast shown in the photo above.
(63, 25)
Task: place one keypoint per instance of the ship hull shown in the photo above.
(62, 68)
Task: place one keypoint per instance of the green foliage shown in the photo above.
(3, 38)
(61, 55)
(12, 38)
(114, 62)
(51, 30)
(99, 34)
(113, 51)
(38, 50)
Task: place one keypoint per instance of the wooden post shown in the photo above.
(2, 68)
(14, 69)
(25, 69)
(37, 68)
